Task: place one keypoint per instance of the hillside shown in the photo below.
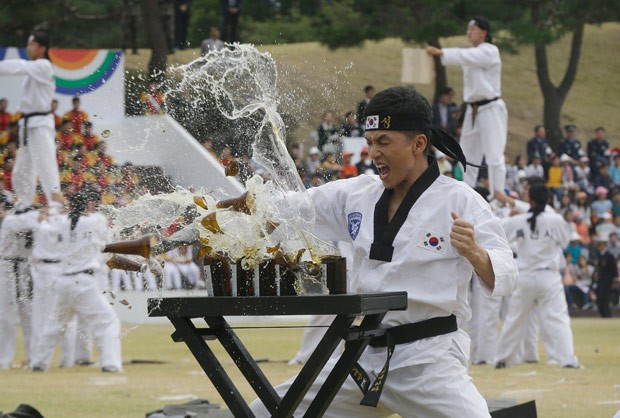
(313, 79)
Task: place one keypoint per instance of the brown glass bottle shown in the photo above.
(123, 263)
(220, 276)
(240, 204)
(140, 246)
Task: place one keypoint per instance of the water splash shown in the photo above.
(242, 84)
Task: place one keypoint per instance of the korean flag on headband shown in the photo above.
(433, 242)
(372, 122)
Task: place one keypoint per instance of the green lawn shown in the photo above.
(593, 392)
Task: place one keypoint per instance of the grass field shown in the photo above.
(313, 79)
(85, 392)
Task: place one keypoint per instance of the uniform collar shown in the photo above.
(385, 232)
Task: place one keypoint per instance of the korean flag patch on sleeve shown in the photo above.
(433, 241)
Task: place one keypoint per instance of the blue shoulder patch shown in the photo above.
(355, 220)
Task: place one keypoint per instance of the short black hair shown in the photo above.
(75, 99)
(403, 101)
(368, 88)
(535, 180)
(447, 90)
(539, 193)
(42, 39)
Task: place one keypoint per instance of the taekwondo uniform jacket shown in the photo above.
(38, 88)
(423, 262)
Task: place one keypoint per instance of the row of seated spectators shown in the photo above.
(82, 158)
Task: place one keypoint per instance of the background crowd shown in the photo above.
(82, 158)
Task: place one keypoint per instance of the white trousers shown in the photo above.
(172, 277)
(15, 309)
(529, 348)
(486, 310)
(442, 389)
(117, 277)
(149, 278)
(313, 333)
(543, 289)
(486, 137)
(190, 271)
(36, 160)
(80, 295)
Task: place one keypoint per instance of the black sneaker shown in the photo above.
(109, 369)
(38, 368)
(83, 362)
(500, 365)
(572, 366)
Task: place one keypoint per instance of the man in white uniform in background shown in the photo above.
(412, 230)
(539, 236)
(485, 127)
(529, 347)
(37, 150)
(16, 282)
(183, 259)
(76, 289)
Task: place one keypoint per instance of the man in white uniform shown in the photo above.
(487, 310)
(485, 127)
(15, 282)
(538, 235)
(183, 259)
(37, 150)
(76, 290)
(412, 230)
(529, 348)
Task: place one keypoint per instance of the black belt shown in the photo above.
(18, 259)
(476, 105)
(400, 334)
(48, 261)
(18, 294)
(27, 116)
(87, 271)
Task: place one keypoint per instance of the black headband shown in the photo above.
(41, 39)
(397, 122)
(440, 138)
(481, 22)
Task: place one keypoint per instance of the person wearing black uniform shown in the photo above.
(606, 272)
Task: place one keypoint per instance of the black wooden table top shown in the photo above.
(353, 304)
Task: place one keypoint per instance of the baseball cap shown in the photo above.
(570, 128)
